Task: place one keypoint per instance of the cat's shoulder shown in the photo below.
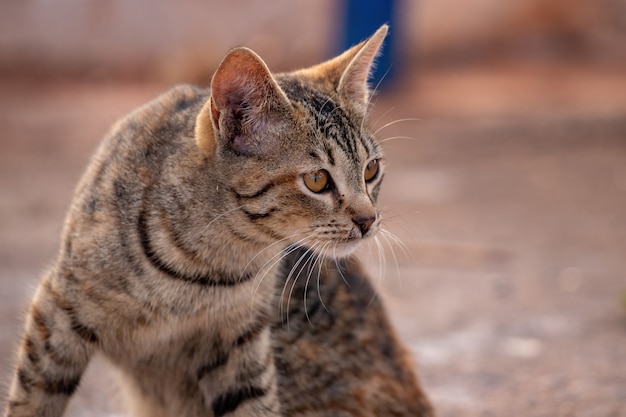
(170, 115)
(177, 101)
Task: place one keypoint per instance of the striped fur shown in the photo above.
(170, 262)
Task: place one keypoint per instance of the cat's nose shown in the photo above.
(364, 223)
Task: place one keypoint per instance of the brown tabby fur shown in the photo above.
(194, 257)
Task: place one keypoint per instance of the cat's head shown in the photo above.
(295, 150)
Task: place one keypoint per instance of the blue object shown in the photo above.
(361, 19)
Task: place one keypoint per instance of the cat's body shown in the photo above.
(171, 266)
(337, 355)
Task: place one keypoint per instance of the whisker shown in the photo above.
(397, 241)
(220, 216)
(395, 138)
(408, 119)
(395, 259)
(318, 257)
(319, 274)
(279, 255)
(397, 214)
(293, 269)
(282, 294)
(380, 270)
(314, 257)
(310, 253)
(373, 93)
(392, 108)
(382, 265)
(268, 247)
(274, 260)
(339, 269)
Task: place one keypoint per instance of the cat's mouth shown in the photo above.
(341, 242)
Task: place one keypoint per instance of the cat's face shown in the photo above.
(301, 163)
(319, 188)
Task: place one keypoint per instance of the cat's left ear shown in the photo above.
(353, 82)
(348, 73)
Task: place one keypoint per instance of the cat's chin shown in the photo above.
(343, 249)
(338, 250)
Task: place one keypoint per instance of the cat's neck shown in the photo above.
(196, 229)
(197, 225)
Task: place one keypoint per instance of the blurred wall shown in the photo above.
(456, 30)
(184, 40)
(157, 38)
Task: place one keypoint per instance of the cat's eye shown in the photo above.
(317, 181)
(371, 170)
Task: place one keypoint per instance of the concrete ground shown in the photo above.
(507, 187)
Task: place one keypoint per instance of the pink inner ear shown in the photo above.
(245, 97)
(241, 77)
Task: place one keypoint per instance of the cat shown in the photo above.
(207, 255)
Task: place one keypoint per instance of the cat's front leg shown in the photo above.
(54, 352)
(243, 383)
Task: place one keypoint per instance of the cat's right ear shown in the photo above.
(245, 102)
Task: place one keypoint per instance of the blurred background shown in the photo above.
(504, 124)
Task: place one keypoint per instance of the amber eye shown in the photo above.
(371, 170)
(317, 181)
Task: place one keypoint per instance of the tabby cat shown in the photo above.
(207, 255)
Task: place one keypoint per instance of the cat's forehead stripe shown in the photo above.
(330, 119)
(331, 157)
